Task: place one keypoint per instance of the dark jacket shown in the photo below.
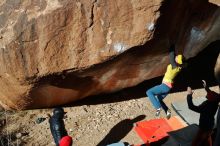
(57, 127)
(217, 138)
(207, 112)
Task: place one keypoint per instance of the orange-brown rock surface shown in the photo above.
(54, 52)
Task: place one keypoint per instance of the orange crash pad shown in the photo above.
(157, 129)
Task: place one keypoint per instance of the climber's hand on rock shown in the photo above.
(204, 84)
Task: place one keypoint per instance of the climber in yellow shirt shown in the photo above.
(157, 93)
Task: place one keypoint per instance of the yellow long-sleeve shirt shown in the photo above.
(170, 75)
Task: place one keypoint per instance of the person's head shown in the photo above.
(59, 112)
(179, 59)
(213, 96)
(66, 141)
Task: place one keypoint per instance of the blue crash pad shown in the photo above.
(190, 117)
(118, 144)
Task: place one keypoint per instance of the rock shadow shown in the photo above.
(198, 68)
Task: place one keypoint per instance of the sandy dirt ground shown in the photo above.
(98, 120)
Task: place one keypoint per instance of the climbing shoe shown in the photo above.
(168, 114)
(157, 113)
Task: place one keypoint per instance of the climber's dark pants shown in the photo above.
(217, 138)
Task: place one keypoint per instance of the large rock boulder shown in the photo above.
(54, 52)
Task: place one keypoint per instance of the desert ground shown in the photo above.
(97, 120)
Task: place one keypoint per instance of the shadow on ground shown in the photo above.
(120, 130)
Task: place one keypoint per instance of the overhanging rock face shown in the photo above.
(56, 52)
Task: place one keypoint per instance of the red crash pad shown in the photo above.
(156, 129)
